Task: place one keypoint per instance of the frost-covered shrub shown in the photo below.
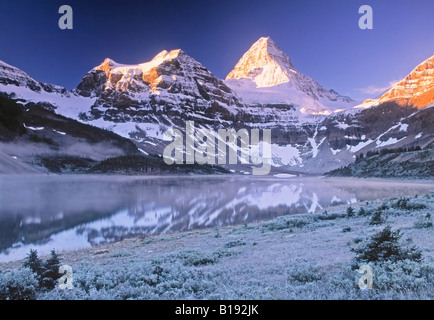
(332, 216)
(158, 279)
(195, 258)
(423, 221)
(18, 284)
(304, 271)
(408, 204)
(235, 243)
(350, 212)
(288, 222)
(403, 275)
(121, 254)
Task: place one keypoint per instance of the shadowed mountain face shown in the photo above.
(30, 132)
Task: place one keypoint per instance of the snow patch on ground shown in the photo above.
(360, 146)
(33, 128)
(388, 142)
(403, 127)
(60, 132)
(342, 126)
(335, 151)
(285, 156)
(143, 151)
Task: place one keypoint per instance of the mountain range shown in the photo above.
(313, 129)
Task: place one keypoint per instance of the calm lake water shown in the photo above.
(73, 212)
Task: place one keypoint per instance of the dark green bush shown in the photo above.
(377, 218)
(350, 212)
(362, 212)
(385, 246)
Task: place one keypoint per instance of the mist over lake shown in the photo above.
(73, 212)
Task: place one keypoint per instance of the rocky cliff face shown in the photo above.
(170, 88)
(416, 89)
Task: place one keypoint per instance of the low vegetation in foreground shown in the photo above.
(307, 256)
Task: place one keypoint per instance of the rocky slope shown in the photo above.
(416, 89)
(12, 76)
(172, 87)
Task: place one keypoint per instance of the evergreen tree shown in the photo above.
(51, 271)
(362, 211)
(385, 246)
(377, 218)
(350, 212)
(34, 263)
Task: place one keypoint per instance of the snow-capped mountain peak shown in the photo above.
(264, 63)
(265, 74)
(165, 68)
(110, 65)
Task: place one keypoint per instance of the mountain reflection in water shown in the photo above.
(72, 212)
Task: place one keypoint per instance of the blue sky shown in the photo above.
(321, 37)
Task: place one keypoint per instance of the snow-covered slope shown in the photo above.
(19, 85)
(12, 76)
(265, 74)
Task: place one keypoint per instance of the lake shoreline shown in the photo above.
(263, 250)
(74, 212)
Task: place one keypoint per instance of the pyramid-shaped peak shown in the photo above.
(264, 63)
(267, 41)
(268, 46)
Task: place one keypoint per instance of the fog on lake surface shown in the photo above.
(74, 212)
